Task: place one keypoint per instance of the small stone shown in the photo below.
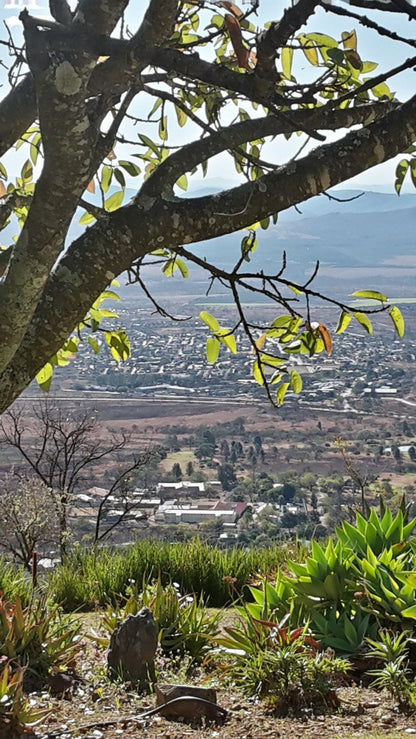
(410, 731)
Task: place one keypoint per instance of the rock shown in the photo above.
(189, 702)
(166, 692)
(132, 649)
(61, 683)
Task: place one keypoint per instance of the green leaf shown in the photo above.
(106, 177)
(163, 128)
(44, 377)
(132, 169)
(94, 344)
(337, 56)
(382, 91)
(182, 267)
(257, 373)
(271, 360)
(287, 58)
(397, 318)
(295, 381)
(213, 349)
(227, 338)
(118, 174)
(401, 170)
(371, 294)
(413, 171)
(182, 182)
(280, 395)
(152, 146)
(86, 219)
(364, 321)
(309, 50)
(114, 201)
(211, 322)
(181, 116)
(343, 322)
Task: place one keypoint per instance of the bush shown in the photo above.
(38, 637)
(95, 577)
(185, 625)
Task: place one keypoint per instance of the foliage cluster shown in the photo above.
(185, 624)
(92, 577)
(39, 637)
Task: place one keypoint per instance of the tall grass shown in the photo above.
(14, 581)
(90, 578)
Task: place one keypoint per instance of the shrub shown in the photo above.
(91, 577)
(185, 625)
(17, 716)
(37, 637)
(266, 658)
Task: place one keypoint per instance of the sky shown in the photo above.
(370, 46)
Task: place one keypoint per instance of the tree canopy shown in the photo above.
(106, 94)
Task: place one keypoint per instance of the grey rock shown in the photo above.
(132, 649)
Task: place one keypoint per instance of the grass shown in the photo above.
(182, 458)
(91, 578)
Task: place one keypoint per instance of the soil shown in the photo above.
(363, 713)
(92, 700)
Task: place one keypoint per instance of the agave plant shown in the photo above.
(344, 631)
(387, 586)
(272, 602)
(377, 532)
(323, 579)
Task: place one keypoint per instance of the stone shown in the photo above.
(189, 702)
(167, 692)
(132, 649)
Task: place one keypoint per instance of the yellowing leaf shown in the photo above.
(364, 321)
(44, 377)
(397, 318)
(3, 190)
(211, 322)
(370, 294)
(260, 343)
(280, 395)
(287, 58)
(349, 39)
(257, 373)
(343, 322)
(296, 381)
(213, 349)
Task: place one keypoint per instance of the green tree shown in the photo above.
(177, 471)
(189, 469)
(227, 476)
(235, 82)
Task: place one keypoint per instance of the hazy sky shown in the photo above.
(370, 46)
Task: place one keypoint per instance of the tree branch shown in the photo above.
(232, 136)
(276, 36)
(111, 245)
